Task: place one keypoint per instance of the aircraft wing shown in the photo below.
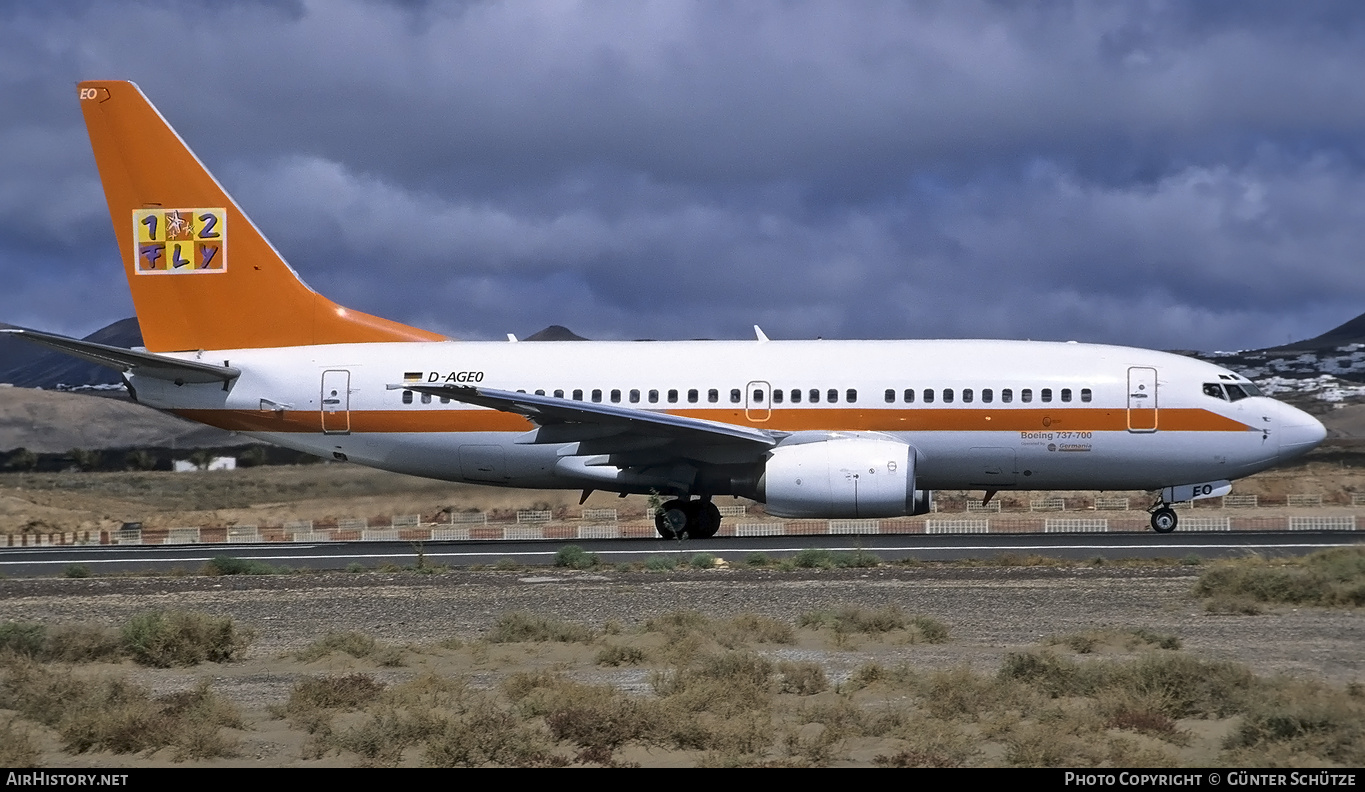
(142, 364)
(575, 420)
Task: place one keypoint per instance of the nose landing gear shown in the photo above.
(697, 519)
(1164, 519)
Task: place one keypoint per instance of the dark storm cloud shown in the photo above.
(1171, 175)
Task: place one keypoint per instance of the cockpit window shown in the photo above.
(1251, 390)
(1235, 392)
(1215, 390)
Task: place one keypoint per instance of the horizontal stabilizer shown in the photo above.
(142, 364)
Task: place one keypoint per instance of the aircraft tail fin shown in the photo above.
(202, 276)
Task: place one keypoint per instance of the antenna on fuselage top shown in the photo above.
(758, 331)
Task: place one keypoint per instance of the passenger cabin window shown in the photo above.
(967, 395)
(692, 396)
(831, 396)
(426, 398)
(1085, 394)
(578, 394)
(758, 395)
(1026, 395)
(407, 397)
(777, 395)
(851, 396)
(559, 394)
(540, 391)
(1066, 394)
(654, 397)
(890, 395)
(987, 396)
(1045, 395)
(713, 395)
(1007, 395)
(445, 400)
(597, 394)
(615, 396)
(908, 396)
(814, 396)
(673, 396)
(947, 395)
(928, 395)
(736, 395)
(796, 395)
(634, 396)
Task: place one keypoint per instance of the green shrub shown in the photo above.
(168, 638)
(813, 558)
(758, 560)
(23, 638)
(76, 571)
(702, 561)
(661, 563)
(230, 565)
(575, 557)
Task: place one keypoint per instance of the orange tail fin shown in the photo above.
(202, 276)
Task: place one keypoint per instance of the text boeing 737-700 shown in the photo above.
(234, 339)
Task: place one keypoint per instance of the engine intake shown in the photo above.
(843, 477)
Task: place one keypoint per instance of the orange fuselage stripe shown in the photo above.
(786, 420)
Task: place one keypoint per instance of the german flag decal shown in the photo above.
(176, 241)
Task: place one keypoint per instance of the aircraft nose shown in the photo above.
(1299, 433)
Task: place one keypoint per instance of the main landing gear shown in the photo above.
(697, 519)
(1163, 518)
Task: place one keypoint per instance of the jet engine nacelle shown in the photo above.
(843, 477)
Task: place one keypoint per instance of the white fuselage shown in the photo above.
(983, 414)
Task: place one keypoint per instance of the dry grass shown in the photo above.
(1107, 638)
(520, 626)
(721, 693)
(18, 749)
(1329, 578)
(170, 638)
(155, 638)
(115, 715)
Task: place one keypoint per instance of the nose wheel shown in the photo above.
(1164, 519)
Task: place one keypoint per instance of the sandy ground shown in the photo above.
(989, 611)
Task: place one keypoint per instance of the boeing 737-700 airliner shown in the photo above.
(234, 339)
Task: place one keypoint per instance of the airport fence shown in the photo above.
(1100, 514)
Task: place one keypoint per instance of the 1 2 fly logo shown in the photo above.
(171, 241)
